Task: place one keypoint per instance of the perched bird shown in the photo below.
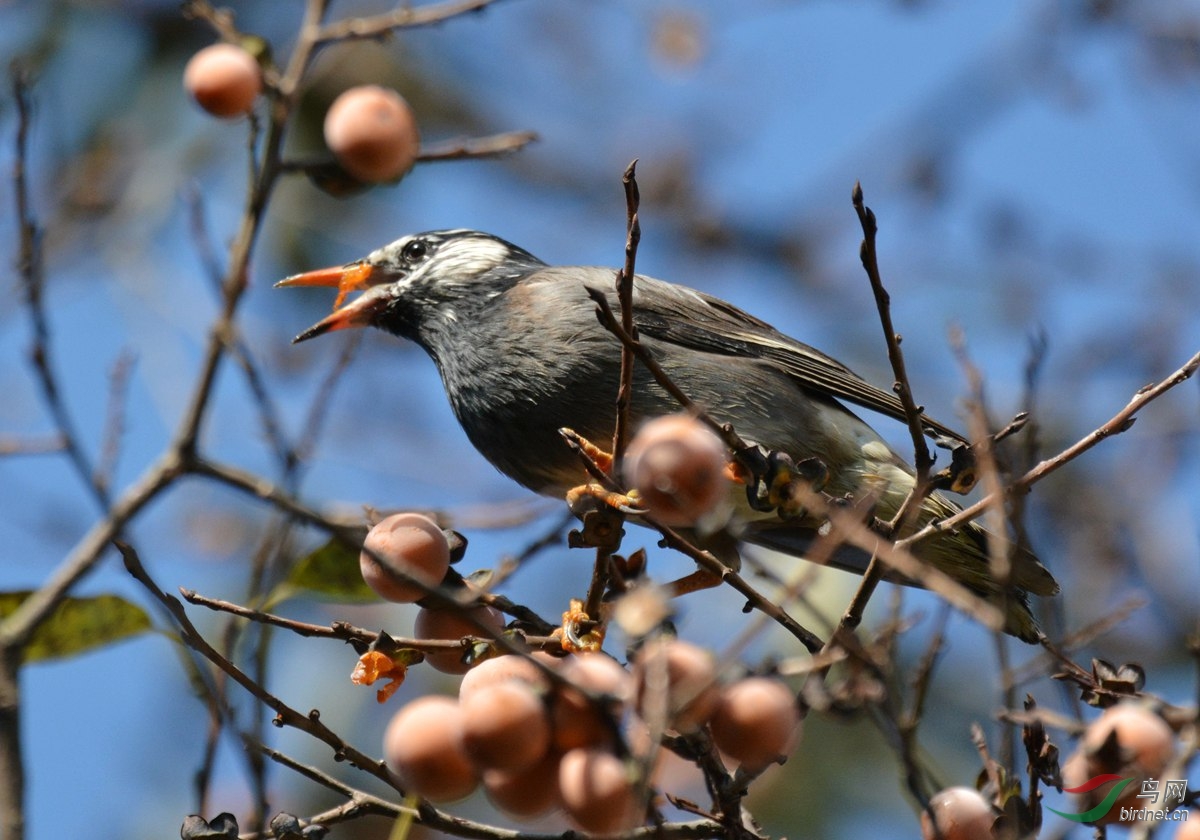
(522, 355)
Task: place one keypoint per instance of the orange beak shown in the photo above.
(346, 278)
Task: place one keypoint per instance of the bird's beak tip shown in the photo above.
(336, 321)
(346, 278)
(304, 336)
(332, 276)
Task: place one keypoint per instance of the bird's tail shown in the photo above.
(961, 554)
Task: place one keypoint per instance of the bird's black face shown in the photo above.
(418, 281)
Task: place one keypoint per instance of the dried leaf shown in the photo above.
(1127, 678)
(373, 666)
(222, 827)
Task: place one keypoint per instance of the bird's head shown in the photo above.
(419, 282)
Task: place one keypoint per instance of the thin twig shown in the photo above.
(360, 803)
(268, 412)
(624, 284)
(403, 17)
(901, 561)
(922, 459)
(871, 578)
(602, 566)
(748, 457)
(470, 148)
(30, 266)
(114, 420)
(343, 631)
(1060, 651)
(285, 715)
(908, 510)
(12, 445)
(723, 574)
(463, 148)
(509, 565)
(18, 627)
(999, 546)
(922, 678)
(1120, 422)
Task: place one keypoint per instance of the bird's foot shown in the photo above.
(963, 472)
(579, 633)
(583, 499)
(602, 529)
(776, 488)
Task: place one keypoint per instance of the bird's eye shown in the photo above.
(414, 251)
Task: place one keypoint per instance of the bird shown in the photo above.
(522, 355)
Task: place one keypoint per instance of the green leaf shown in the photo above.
(78, 625)
(330, 572)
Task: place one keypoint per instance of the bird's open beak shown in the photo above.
(346, 278)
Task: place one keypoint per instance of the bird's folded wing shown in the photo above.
(693, 319)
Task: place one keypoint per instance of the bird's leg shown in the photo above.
(697, 581)
(583, 625)
(600, 457)
(601, 509)
(724, 547)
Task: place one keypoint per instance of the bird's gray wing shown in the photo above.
(688, 318)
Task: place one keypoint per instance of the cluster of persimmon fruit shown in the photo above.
(542, 732)
(571, 733)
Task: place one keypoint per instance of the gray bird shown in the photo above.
(522, 355)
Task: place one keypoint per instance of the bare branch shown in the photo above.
(493, 145)
(923, 460)
(403, 17)
(1122, 421)
(29, 262)
(285, 715)
(624, 283)
(114, 422)
(14, 445)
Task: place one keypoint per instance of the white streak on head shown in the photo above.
(462, 260)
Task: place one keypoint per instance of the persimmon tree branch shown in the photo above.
(1120, 422)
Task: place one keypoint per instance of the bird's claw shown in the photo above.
(963, 472)
(775, 489)
(961, 475)
(583, 499)
(574, 638)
